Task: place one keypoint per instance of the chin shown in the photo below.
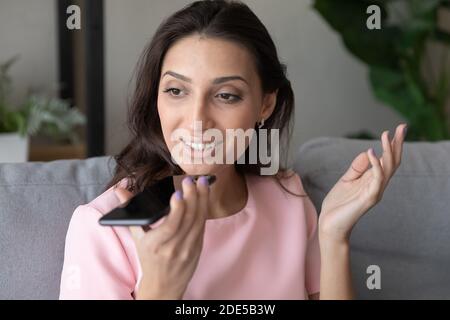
(200, 169)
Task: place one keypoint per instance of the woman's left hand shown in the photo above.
(360, 188)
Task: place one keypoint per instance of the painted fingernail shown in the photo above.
(188, 180)
(372, 152)
(203, 181)
(178, 195)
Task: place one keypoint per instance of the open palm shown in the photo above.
(361, 187)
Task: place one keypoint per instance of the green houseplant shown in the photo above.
(398, 57)
(37, 115)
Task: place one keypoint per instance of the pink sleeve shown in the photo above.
(312, 251)
(312, 272)
(96, 265)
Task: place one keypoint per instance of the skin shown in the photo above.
(189, 92)
(202, 61)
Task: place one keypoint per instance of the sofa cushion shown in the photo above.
(408, 233)
(37, 200)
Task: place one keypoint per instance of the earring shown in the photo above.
(261, 123)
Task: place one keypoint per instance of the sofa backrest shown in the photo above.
(407, 235)
(37, 200)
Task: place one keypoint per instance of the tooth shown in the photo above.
(199, 146)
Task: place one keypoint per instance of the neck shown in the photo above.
(228, 195)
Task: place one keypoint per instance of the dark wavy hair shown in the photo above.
(146, 158)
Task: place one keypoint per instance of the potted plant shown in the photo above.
(405, 72)
(37, 115)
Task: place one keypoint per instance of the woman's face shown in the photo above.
(206, 84)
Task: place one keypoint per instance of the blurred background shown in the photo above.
(63, 92)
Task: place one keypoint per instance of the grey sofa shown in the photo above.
(407, 235)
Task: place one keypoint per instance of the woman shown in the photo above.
(248, 236)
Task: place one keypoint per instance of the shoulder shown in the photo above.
(292, 181)
(287, 183)
(85, 218)
(108, 200)
(103, 255)
(285, 192)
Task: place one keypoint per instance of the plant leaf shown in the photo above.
(396, 90)
(348, 18)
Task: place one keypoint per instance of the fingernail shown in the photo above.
(405, 131)
(188, 180)
(203, 181)
(372, 152)
(178, 195)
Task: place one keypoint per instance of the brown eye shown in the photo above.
(173, 91)
(228, 97)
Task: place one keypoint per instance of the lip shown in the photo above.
(200, 146)
(195, 140)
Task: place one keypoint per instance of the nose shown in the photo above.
(200, 118)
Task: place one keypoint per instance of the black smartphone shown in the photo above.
(146, 207)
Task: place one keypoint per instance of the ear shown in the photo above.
(268, 105)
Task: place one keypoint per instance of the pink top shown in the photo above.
(268, 250)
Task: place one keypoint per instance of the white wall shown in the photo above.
(129, 26)
(28, 28)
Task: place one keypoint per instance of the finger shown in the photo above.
(202, 207)
(387, 159)
(171, 226)
(190, 198)
(123, 194)
(397, 143)
(357, 168)
(377, 171)
(203, 196)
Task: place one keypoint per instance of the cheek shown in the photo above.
(243, 118)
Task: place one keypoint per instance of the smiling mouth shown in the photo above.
(198, 146)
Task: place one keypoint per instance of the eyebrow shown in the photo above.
(215, 81)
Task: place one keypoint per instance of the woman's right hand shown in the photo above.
(169, 254)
